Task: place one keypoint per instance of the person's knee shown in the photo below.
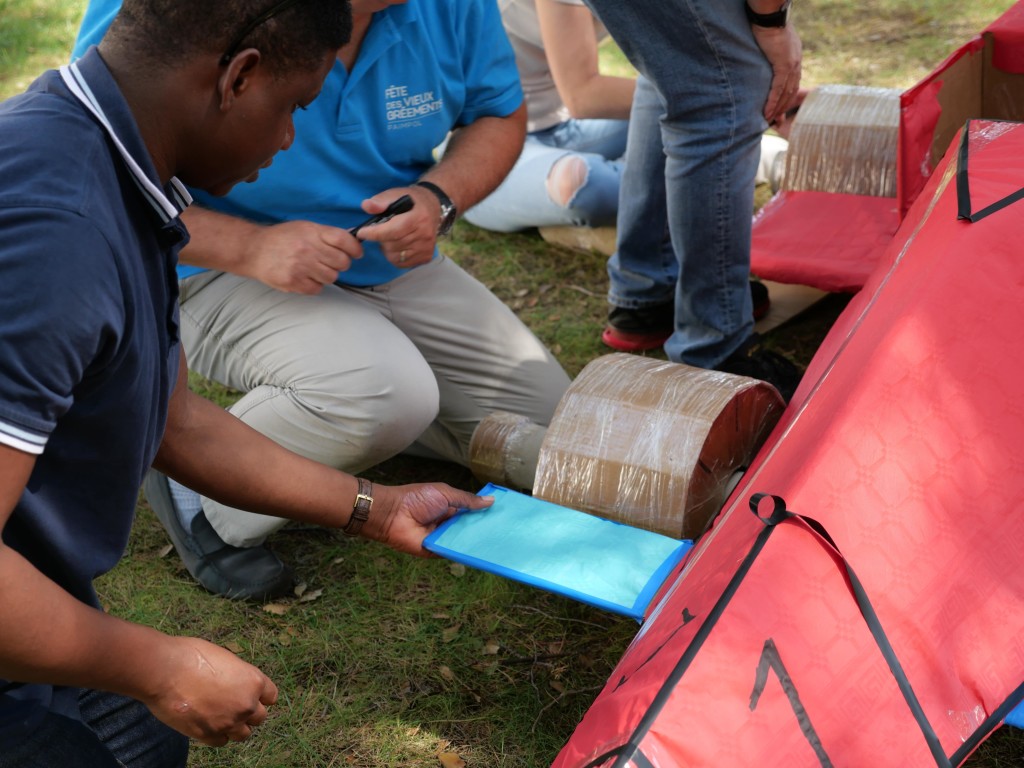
(360, 427)
(565, 178)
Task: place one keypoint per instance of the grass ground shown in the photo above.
(386, 660)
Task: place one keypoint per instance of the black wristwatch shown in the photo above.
(448, 210)
(777, 19)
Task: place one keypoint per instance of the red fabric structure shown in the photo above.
(833, 243)
(872, 611)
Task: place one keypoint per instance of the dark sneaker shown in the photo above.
(759, 296)
(638, 330)
(755, 361)
(238, 573)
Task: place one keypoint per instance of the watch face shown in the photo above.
(447, 219)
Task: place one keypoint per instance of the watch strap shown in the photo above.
(775, 19)
(448, 210)
(360, 507)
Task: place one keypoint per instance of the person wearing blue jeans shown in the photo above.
(717, 74)
(524, 199)
(570, 168)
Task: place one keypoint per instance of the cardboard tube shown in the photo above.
(504, 450)
(653, 444)
(844, 140)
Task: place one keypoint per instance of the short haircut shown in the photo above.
(163, 33)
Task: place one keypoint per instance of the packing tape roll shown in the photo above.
(843, 140)
(653, 444)
(504, 450)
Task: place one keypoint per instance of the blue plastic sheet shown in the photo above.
(596, 561)
(1016, 717)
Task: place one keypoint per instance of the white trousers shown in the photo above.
(353, 376)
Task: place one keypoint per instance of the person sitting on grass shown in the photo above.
(570, 169)
(93, 377)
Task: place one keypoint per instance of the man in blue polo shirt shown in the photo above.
(93, 380)
(406, 351)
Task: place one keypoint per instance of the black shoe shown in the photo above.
(637, 330)
(238, 573)
(644, 328)
(762, 301)
(754, 361)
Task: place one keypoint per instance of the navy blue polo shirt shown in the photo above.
(88, 330)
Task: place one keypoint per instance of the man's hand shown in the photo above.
(402, 516)
(784, 51)
(299, 256)
(408, 239)
(208, 693)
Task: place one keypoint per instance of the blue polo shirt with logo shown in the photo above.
(423, 68)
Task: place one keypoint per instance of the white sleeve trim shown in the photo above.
(15, 437)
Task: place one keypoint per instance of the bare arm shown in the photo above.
(218, 455)
(571, 47)
(200, 689)
(476, 160)
(294, 256)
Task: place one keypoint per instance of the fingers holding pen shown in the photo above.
(407, 233)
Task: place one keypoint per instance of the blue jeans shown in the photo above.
(522, 200)
(115, 732)
(693, 149)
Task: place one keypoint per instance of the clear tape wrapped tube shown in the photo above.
(844, 140)
(653, 444)
(504, 450)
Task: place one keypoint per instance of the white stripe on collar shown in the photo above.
(167, 210)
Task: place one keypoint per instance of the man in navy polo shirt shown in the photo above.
(93, 380)
(352, 361)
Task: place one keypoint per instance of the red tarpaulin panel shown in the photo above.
(1008, 33)
(822, 239)
(803, 246)
(919, 115)
(903, 644)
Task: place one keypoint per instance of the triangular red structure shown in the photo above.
(875, 616)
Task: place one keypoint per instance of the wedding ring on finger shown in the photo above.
(402, 255)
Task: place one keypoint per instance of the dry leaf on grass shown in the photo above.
(278, 609)
(234, 647)
(311, 596)
(451, 760)
(446, 673)
(450, 634)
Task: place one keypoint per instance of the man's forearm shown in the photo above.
(217, 240)
(478, 158)
(218, 455)
(62, 641)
